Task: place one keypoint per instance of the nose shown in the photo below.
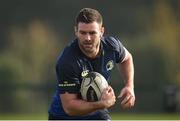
(88, 37)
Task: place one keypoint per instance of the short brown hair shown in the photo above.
(88, 15)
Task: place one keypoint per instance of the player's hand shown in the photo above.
(127, 97)
(108, 97)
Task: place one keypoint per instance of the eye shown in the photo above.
(92, 33)
(83, 32)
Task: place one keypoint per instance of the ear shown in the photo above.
(102, 31)
(75, 30)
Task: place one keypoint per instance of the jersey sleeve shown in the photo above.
(118, 48)
(67, 77)
(120, 54)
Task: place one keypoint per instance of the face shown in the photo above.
(89, 37)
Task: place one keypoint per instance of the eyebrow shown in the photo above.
(87, 32)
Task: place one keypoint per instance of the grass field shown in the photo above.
(146, 116)
(115, 116)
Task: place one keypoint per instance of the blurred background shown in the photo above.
(33, 33)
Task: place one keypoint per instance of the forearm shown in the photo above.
(127, 93)
(79, 107)
(75, 106)
(127, 70)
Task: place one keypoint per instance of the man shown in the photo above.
(90, 51)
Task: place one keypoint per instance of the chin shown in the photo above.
(88, 50)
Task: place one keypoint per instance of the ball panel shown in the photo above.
(92, 86)
(91, 94)
(97, 90)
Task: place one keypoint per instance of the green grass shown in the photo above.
(146, 116)
(115, 116)
(23, 117)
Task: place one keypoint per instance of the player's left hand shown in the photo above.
(127, 97)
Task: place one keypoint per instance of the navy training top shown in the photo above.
(72, 63)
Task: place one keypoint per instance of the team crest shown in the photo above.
(109, 65)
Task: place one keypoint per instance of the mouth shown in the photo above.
(88, 45)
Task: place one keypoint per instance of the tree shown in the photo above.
(165, 36)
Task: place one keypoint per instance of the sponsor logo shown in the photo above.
(84, 73)
(66, 84)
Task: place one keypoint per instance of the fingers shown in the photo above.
(108, 90)
(127, 97)
(121, 94)
(125, 100)
(128, 102)
(108, 97)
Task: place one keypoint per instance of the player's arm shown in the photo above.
(77, 107)
(127, 72)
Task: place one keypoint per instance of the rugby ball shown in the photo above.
(92, 86)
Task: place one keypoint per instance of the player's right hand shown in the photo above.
(108, 97)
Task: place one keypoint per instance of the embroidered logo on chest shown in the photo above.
(109, 65)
